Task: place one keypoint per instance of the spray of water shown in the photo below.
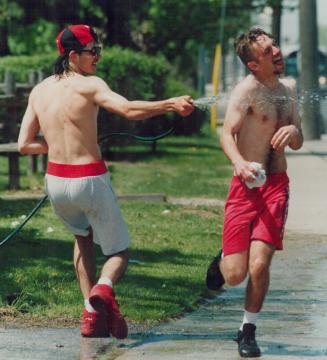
(304, 98)
(206, 102)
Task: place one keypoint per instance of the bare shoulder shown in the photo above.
(40, 87)
(246, 86)
(96, 82)
(289, 83)
(243, 91)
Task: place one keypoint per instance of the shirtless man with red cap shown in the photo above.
(65, 108)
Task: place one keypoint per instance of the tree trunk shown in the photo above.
(276, 20)
(4, 48)
(309, 69)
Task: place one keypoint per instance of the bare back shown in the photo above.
(259, 113)
(67, 115)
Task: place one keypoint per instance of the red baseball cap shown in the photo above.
(75, 37)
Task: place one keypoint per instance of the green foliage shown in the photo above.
(35, 38)
(178, 28)
(9, 10)
(22, 65)
(133, 74)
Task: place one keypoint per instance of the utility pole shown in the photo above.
(277, 7)
(309, 69)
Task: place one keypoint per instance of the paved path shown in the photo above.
(293, 323)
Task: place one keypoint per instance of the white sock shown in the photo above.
(249, 317)
(88, 306)
(104, 280)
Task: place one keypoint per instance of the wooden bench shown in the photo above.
(14, 99)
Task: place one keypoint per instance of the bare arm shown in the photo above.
(28, 140)
(289, 135)
(235, 116)
(139, 110)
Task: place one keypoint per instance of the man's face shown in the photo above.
(267, 56)
(88, 58)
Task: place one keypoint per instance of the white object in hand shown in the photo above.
(260, 177)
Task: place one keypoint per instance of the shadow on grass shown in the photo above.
(34, 265)
(29, 262)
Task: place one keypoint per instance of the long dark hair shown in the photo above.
(61, 65)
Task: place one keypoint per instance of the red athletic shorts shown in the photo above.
(255, 214)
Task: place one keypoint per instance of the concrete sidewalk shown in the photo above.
(293, 323)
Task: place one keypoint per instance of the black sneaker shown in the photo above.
(247, 346)
(215, 279)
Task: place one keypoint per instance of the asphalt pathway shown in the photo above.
(293, 322)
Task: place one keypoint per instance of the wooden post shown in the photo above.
(10, 83)
(13, 158)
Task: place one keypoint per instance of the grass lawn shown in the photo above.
(171, 244)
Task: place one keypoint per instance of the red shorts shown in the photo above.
(255, 214)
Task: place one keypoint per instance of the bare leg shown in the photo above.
(115, 267)
(234, 267)
(84, 263)
(260, 257)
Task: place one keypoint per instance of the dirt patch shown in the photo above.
(10, 317)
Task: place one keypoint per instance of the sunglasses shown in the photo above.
(95, 51)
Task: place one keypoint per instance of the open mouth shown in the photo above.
(279, 61)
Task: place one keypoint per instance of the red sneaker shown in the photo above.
(102, 298)
(94, 324)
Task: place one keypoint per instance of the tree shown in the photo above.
(178, 28)
(9, 11)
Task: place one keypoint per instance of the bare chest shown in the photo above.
(271, 110)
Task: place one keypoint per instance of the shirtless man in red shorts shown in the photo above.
(65, 107)
(261, 121)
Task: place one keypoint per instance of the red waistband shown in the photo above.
(77, 171)
(271, 178)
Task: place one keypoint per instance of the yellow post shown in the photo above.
(215, 85)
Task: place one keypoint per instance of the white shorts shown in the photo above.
(87, 201)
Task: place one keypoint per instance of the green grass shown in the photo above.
(171, 245)
(192, 166)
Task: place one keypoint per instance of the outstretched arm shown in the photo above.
(139, 110)
(29, 142)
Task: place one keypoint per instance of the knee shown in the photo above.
(122, 256)
(258, 268)
(234, 275)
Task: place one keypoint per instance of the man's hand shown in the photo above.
(183, 105)
(245, 171)
(283, 137)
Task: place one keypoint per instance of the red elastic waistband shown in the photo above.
(271, 178)
(76, 171)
